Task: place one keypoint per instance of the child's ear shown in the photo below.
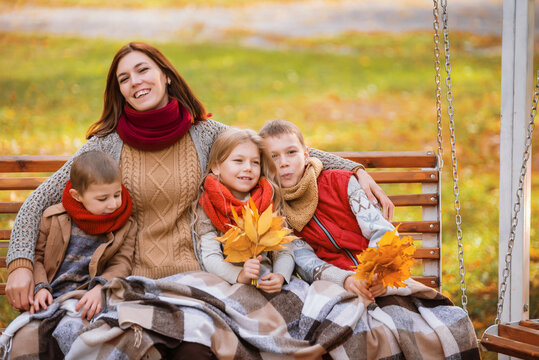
(215, 170)
(75, 194)
(306, 154)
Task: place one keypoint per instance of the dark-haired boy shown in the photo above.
(88, 238)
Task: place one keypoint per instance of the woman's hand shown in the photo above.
(250, 271)
(271, 283)
(42, 299)
(20, 289)
(91, 303)
(358, 287)
(375, 193)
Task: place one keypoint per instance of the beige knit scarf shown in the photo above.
(301, 200)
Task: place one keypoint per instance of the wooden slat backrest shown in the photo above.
(31, 163)
(392, 167)
(20, 173)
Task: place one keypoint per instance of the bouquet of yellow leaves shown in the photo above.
(254, 233)
(391, 260)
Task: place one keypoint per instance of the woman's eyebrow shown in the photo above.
(136, 66)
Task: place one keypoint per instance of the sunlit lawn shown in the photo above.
(376, 95)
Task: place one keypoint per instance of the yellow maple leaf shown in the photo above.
(391, 260)
(253, 208)
(277, 222)
(249, 225)
(237, 219)
(254, 233)
(265, 221)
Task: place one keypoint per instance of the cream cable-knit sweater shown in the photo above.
(163, 185)
(26, 228)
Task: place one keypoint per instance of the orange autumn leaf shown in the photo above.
(391, 259)
(254, 233)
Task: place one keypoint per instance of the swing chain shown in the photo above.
(516, 208)
(451, 112)
(435, 23)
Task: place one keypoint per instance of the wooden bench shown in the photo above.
(414, 174)
(519, 339)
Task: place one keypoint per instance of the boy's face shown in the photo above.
(100, 199)
(290, 157)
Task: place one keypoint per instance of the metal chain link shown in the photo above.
(516, 208)
(437, 81)
(451, 112)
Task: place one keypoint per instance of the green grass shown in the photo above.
(376, 95)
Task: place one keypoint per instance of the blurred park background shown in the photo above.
(366, 86)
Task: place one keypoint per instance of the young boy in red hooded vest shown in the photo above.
(328, 209)
(88, 238)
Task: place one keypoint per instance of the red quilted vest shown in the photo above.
(333, 231)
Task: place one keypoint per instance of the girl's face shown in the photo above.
(240, 171)
(141, 81)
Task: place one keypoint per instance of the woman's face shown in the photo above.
(141, 81)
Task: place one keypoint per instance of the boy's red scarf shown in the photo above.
(154, 129)
(216, 200)
(97, 224)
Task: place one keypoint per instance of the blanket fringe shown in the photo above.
(5, 347)
(138, 335)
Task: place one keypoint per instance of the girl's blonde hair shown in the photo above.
(228, 140)
(221, 149)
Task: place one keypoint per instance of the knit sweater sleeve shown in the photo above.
(211, 252)
(26, 227)
(310, 267)
(284, 262)
(204, 134)
(372, 223)
(331, 161)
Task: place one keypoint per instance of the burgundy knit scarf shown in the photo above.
(97, 224)
(216, 200)
(153, 130)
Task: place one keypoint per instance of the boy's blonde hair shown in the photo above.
(93, 167)
(279, 127)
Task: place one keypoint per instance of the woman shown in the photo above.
(160, 134)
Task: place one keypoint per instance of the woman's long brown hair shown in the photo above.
(114, 100)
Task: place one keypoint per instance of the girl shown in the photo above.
(237, 161)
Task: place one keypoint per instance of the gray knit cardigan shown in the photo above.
(26, 227)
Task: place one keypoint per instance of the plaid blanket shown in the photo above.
(240, 322)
